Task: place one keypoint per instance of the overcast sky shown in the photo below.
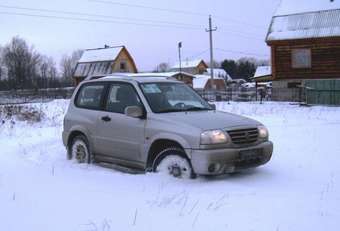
(242, 26)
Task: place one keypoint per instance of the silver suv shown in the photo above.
(159, 124)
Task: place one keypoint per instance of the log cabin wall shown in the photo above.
(325, 59)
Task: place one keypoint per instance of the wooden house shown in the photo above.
(194, 67)
(205, 83)
(263, 74)
(104, 61)
(219, 72)
(304, 38)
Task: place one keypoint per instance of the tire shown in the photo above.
(79, 150)
(174, 162)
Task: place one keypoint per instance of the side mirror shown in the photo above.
(213, 106)
(134, 111)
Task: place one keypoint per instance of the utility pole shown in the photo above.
(179, 56)
(210, 30)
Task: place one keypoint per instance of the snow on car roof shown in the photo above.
(135, 77)
(100, 54)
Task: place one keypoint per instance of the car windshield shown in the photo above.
(173, 97)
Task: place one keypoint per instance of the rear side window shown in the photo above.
(121, 95)
(90, 96)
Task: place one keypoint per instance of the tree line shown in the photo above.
(23, 67)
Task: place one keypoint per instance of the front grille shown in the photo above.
(244, 136)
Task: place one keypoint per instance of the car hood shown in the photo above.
(207, 120)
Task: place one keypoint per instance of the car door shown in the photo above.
(120, 136)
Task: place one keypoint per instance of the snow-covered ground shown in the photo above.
(298, 190)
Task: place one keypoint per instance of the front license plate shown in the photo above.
(250, 154)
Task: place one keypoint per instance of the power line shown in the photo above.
(223, 18)
(173, 11)
(122, 20)
(197, 55)
(95, 15)
(227, 51)
(243, 35)
(241, 52)
(149, 7)
(96, 20)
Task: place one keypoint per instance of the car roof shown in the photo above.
(135, 78)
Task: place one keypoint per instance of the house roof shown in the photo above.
(200, 81)
(305, 19)
(189, 63)
(219, 72)
(100, 54)
(263, 71)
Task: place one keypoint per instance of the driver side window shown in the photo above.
(121, 95)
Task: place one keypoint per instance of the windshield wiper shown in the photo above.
(197, 109)
(170, 110)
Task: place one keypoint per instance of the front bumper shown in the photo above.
(65, 138)
(228, 160)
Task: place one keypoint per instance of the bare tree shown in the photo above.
(21, 62)
(162, 67)
(68, 64)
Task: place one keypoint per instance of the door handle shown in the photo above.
(106, 119)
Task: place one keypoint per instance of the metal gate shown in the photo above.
(325, 92)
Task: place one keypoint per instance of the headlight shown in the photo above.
(263, 132)
(214, 137)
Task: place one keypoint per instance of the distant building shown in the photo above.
(194, 67)
(263, 74)
(219, 72)
(103, 61)
(205, 83)
(181, 76)
(304, 37)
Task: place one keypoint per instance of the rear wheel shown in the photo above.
(79, 150)
(173, 162)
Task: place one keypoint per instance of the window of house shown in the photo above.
(122, 66)
(301, 58)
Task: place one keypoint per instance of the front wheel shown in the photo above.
(174, 162)
(79, 150)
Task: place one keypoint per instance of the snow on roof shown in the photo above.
(100, 54)
(294, 7)
(305, 19)
(263, 71)
(219, 72)
(189, 63)
(200, 81)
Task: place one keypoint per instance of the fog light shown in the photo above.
(211, 168)
(214, 167)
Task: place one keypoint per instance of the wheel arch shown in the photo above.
(159, 145)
